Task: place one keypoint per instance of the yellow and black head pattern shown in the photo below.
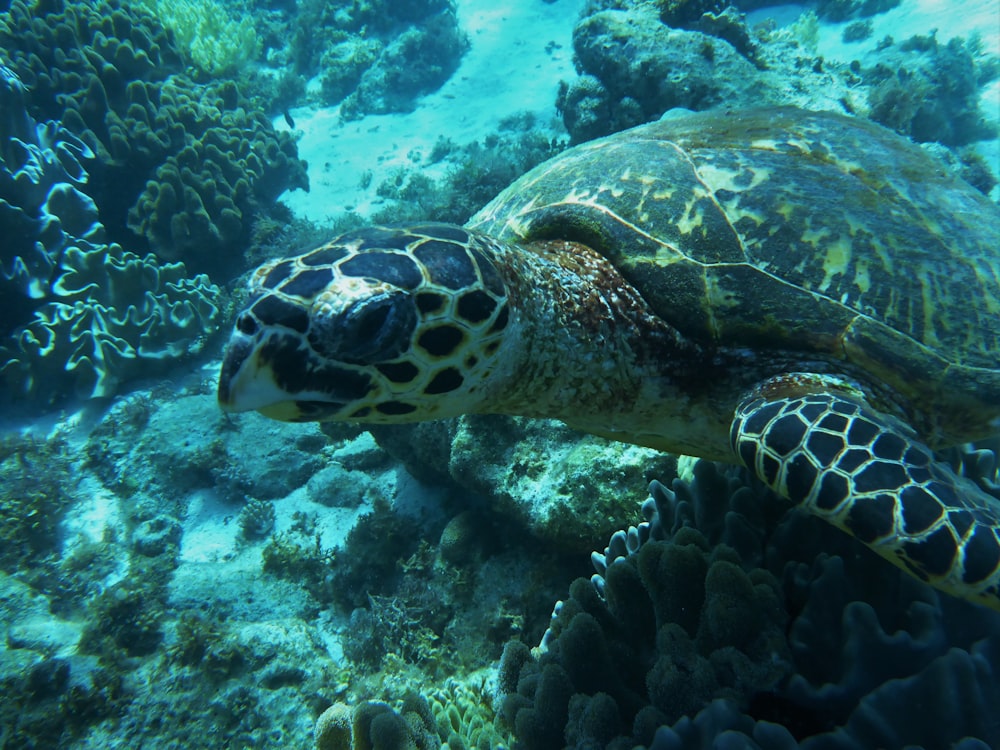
(379, 325)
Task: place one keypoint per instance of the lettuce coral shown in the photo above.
(81, 315)
(183, 168)
(112, 327)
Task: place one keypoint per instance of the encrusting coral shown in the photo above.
(565, 488)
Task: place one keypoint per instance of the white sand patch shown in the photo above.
(95, 511)
(947, 18)
(210, 529)
(519, 51)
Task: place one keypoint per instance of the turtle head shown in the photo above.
(378, 325)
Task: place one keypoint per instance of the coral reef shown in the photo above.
(134, 450)
(682, 624)
(132, 155)
(637, 60)
(374, 725)
(415, 62)
(633, 68)
(256, 519)
(452, 718)
(719, 19)
(930, 91)
(333, 728)
(713, 621)
(207, 33)
(861, 643)
(106, 621)
(475, 173)
(37, 491)
(565, 488)
(464, 717)
(182, 168)
(175, 576)
(81, 315)
(378, 56)
(48, 696)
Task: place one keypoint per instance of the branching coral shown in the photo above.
(256, 519)
(207, 32)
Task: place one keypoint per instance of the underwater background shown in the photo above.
(174, 577)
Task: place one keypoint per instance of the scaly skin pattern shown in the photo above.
(405, 324)
(375, 326)
(432, 321)
(803, 292)
(866, 474)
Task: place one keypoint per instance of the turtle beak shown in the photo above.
(237, 352)
(245, 383)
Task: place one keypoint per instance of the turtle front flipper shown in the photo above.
(865, 472)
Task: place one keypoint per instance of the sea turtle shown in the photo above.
(803, 292)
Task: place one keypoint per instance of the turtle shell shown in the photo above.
(782, 229)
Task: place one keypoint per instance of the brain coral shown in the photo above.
(183, 168)
(80, 315)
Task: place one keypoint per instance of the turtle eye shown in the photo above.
(370, 319)
(371, 330)
(246, 324)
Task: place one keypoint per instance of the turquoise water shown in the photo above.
(178, 576)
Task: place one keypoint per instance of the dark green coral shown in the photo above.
(682, 624)
(930, 91)
(37, 490)
(681, 641)
(185, 167)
